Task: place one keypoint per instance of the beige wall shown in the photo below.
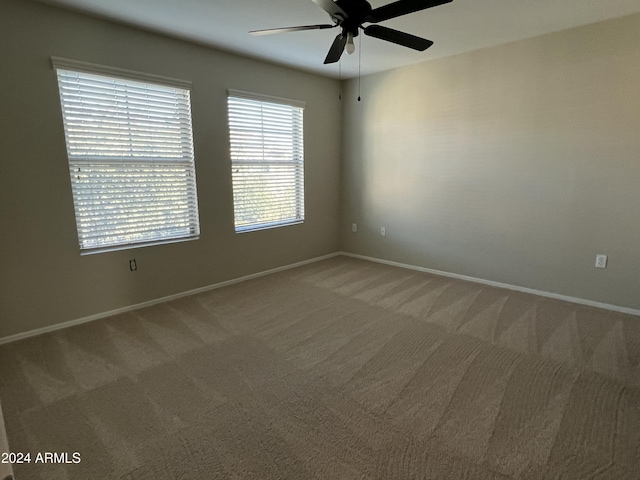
(516, 164)
(43, 278)
(5, 468)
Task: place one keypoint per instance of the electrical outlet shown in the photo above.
(601, 261)
(383, 231)
(132, 264)
(354, 227)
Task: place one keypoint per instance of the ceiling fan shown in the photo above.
(349, 15)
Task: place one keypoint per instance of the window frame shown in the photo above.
(161, 169)
(297, 144)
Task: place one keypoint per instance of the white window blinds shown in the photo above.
(267, 157)
(130, 149)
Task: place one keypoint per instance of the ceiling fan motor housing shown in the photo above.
(357, 11)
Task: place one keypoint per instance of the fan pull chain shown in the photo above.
(359, 64)
(340, 78)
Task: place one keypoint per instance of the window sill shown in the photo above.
(268, 226)
(131, 246)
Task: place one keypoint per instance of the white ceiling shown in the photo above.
(456, 27)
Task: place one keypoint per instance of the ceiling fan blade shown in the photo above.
(400, 38)
(401, 7)
(331, 8)
(270, 31)
(335, 52)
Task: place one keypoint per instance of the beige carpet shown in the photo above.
(341, 369)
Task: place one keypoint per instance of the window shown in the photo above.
(130, 149)
(267, 161)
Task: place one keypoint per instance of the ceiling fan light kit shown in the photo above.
(350, 15)
(350, 48)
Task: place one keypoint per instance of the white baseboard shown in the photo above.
(79, 321)
(91, 318)
(580, 301)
